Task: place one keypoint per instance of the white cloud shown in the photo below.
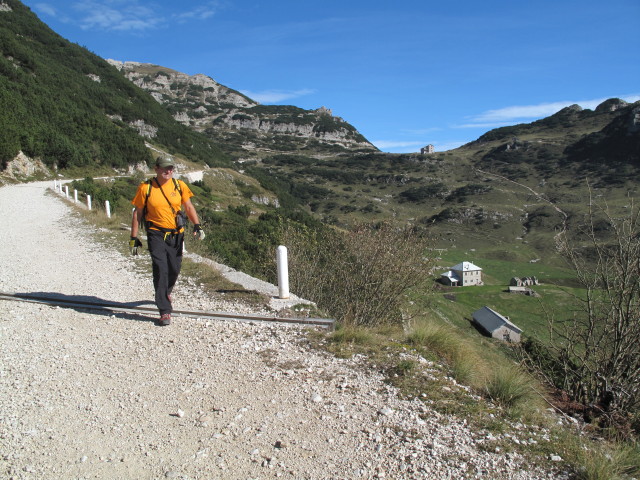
(46, 9)
(200, 13)
(117, 16)
(399, 146)
(443, 147)
(275, 96)
(508, 115)
(395, 144)
(483, 125)
(129, 15)
(519, 111)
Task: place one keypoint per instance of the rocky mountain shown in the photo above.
(617, 144)
(603, 143)
(238, 123)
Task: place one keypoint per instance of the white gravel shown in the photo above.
(84, 395)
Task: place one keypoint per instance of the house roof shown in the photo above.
(450, 274)
(466, 267)
(491, 320)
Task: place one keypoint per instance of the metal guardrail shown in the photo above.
(129, 308)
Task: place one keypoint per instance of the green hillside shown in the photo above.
(69, 107)
(511, 190)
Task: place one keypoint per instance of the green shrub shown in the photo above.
(607, 461)
(357, 335)
(510, 387)
(435, 338)
(359, 276)
(466, 366)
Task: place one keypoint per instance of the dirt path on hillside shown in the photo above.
(539, 196)
(87, 395)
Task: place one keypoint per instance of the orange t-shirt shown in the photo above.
(158, 211)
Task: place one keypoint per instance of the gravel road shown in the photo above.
(111, 396)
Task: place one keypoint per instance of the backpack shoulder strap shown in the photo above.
(176, 185)
(148, 191)
(143, 220)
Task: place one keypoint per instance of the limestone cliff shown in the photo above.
(237, 122)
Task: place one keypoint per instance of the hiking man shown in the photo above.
(158, 203)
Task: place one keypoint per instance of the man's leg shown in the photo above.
(159, 258)
(174, 259)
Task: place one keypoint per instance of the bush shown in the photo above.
(436, 338)
(420, 194)
(465, 364)
(608, 461)
(594, 355)
(510, 387)
(360, 276)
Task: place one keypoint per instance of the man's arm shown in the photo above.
(193, 216)
(191, 212)
(135, 221)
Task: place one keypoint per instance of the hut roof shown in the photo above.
(491, 320)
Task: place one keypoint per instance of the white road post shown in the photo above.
(107, 207)
(75, 195)
(55, 185)
(66, 191)
(283, 272)
(89, 202)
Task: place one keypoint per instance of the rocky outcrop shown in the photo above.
(23, 167)
(222, 113)
(165, 84)
(611, 105)
(144, 130)
(616, 145)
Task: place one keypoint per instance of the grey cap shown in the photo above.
(165, 162)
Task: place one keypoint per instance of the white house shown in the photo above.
(496, 325)
(462, 275)
(428, 149)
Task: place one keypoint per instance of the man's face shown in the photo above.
(164, 172)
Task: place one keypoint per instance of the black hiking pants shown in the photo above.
(166, 257)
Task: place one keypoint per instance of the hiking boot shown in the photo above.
(165, 319)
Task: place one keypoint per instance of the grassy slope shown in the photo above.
(526, 196)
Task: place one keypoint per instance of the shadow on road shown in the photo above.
(84, 303)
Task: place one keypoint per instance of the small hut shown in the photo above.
(496, 325)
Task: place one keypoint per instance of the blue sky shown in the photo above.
(404, 73)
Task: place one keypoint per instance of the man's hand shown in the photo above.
(198, 232)
(134, 243)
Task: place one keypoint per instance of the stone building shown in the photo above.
(496, 325)
(462, 275)
(428, 149)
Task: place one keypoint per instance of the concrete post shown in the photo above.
(66, 191)
(89, 202)
(75, 195)
(283, 272)
(107, 207)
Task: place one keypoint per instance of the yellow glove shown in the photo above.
(134, 243)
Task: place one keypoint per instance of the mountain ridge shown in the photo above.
(238, 123)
